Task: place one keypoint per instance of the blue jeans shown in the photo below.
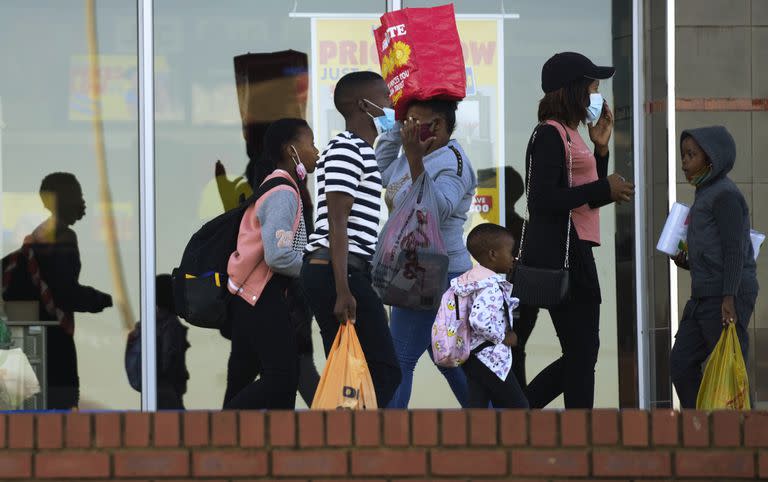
(412, 335)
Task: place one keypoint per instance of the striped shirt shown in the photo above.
(348, 165)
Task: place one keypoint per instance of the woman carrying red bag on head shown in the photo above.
(425, 137)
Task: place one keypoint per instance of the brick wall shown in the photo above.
(389, 445)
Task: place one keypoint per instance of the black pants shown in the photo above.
(486, 387)
(697, 336)
(577, 325)
(371, 323)
(262, 338)
(309, 378)
(63, 380)
(523, 327)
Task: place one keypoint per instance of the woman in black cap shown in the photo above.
(567, 184)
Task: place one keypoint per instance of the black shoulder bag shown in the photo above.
(542, 287)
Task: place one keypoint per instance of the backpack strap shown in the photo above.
(267, 186)
(459, 160)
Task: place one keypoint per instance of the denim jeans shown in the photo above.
(412, 335)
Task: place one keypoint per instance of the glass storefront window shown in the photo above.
(199, 109)
(72, 204)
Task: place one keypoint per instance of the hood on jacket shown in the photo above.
(479, 278)
(718, 144)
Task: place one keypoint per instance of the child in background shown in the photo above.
(720, 258)
(489, 367)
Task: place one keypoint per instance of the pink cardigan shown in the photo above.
(247, 270)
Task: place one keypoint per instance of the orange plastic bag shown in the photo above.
(346, 382)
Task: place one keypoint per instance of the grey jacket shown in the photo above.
(454, 191)
(720, 252)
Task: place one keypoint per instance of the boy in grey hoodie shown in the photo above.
(720, 258)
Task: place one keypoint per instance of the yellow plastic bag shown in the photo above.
(346, 382)
(725, 384)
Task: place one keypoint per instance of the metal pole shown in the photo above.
(672, 166)
(641, 212)
(147, 205)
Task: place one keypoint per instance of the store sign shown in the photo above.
(341, 46)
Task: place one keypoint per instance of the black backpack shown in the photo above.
(200, 282)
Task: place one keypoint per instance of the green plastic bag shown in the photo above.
(725, 384)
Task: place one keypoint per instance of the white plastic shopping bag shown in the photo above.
(18, 381)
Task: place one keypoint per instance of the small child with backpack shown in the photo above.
(473, 327)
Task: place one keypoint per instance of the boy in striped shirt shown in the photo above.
(336, 275)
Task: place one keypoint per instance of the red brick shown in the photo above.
(514, 427)
(108, 430)
(389, 462)
(695, 429)
(50, 431)
(715, 463)
(310, 463)
(367, 428)
(550, 463)
(311, 429)
(252, 429)
(631, 464)
(726, 428)
(468, 462)
(666, 427)
(197, 429)
(396, 428)
(136, 429)
(77, 431)
(543, 428)
(483, 425)
(338, 428)
(66, 464)
(573, 428)
(425, 427)
(282, 428)
(229, 463)
(605, 427)
(224, 429)
(167, 429)
(152, 463)
(454, 427)
(634, 428)
(763, 461)
(21, 433)
(3, 422)
(15, 464)
(755, 429)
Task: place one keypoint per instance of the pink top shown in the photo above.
(247, 269)
(585, 219)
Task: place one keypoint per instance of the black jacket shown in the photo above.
(550, 200)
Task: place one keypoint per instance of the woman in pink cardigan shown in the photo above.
(269, 253)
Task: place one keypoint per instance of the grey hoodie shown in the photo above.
(720, 252)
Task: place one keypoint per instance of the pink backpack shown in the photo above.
(451, 332)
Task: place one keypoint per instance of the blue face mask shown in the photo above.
(384, 123)
(595, 108)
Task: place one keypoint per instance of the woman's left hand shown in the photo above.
(415, 149)
(600, 132)
(729, 310)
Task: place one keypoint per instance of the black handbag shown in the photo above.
(542, 287)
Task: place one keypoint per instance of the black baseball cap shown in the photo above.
(566, 67)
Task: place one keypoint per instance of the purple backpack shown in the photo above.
(451, 332)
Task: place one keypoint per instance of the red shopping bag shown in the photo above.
(420, 55)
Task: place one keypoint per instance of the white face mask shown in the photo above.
(301, 171)
(595, 108)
